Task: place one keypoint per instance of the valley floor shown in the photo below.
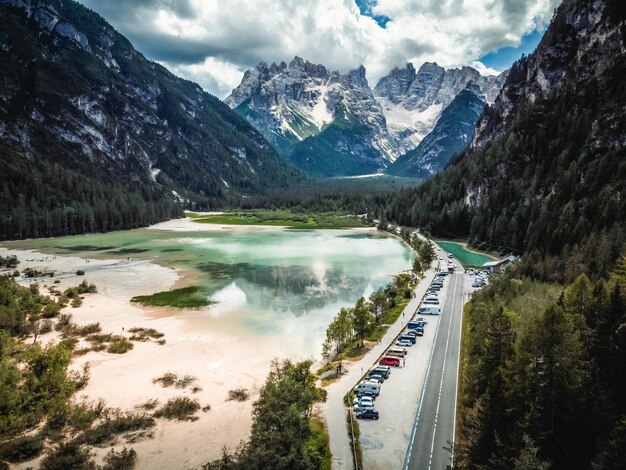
(126, 381)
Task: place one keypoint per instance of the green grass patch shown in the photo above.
(465, 256)
(288, 219)
(318, 443)
(185, 297)
(390, 316)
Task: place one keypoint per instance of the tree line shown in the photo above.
(544, 376)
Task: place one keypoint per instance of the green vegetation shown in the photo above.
(319, 443)
(170, 379)
(467, 257)
(185, 297)
(354, 433)
(179, 408)
(120, 346)
(283, 218)
(283, 434)
(36, 412)
(238, 394)
(544, 375)
(367, 320)
(145, 334)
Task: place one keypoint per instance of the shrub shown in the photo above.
(80, 272)
(120, 346)
(238, 394)
(46, 326)
(149, 405)
(166, 380)
(51, 310)
(116, 424)
(77, 302)
(125, 459)
(63, 321)
(22, 449)
(206, 408)
(68, 455)
(180, 408)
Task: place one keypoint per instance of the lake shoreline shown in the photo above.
(126, 381)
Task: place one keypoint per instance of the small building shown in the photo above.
(499, 266)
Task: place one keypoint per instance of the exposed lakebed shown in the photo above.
(267, 282)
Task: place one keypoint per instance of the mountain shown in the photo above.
(451, 136)
(93, 136)
(329, 124)
(325, 123)
(412, 101)
(546, 170)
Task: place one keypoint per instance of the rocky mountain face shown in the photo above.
(334, 125)
(412, 101)
(546, 170)
(451, 136)
(291, 103)
(75, 93)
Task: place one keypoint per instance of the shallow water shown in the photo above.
(282, 284)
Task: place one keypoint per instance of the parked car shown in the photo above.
(423, 320)
(410, 338)
(393, 361)
(428, 310)
(385, 371)
(367, 413)
(415, 323)
(431, 302)
(375, 379)
(360, 408)
(363, 401)
(419, 331)
(376, 375)
(400, 352)
(404, 343)
(365, 388)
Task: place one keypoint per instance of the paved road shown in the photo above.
(334, 409)
(435, 420)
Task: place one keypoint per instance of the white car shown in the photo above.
(363, 401)
(404, 342)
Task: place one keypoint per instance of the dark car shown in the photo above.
(385, 371)
(367, 413)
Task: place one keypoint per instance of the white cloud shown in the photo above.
(213, 41)
(484, 70)
(216, 76)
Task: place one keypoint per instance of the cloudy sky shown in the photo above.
(213, 42)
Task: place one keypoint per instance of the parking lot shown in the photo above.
(384, 441)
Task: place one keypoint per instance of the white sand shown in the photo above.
(221, 359)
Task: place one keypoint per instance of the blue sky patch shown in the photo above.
(365, 7)
(503, 58)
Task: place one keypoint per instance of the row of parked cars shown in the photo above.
(367, 391)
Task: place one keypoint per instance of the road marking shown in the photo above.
(421, 399)
(458, 370)
(443, 373)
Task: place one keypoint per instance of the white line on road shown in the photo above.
(458, 369)
(443, 373)
(421, 399)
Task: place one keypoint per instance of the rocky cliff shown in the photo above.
(75, 93)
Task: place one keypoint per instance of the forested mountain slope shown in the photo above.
(93, 136)
(547, 167)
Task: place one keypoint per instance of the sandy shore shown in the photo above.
(188, 225)
(220, 358)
